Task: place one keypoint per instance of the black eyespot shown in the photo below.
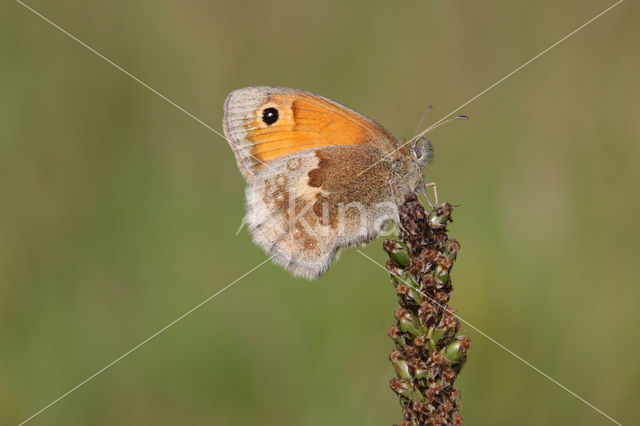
(270, 116)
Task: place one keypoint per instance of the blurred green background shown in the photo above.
(118, 212)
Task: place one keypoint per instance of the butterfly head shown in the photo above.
(408, 164)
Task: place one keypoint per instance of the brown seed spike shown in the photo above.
(430, 354)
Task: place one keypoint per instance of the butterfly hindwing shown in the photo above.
(299, 212)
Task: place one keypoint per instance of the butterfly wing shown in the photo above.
(303, 156)
(308, 205)
(263, 124)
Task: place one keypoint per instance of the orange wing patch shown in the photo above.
(303, 123)
(264, 124)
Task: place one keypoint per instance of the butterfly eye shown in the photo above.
(270, 116)
(423, 151)
(417, 149)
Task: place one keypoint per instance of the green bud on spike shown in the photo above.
(400, 365)
(456, 352)
(408, 322)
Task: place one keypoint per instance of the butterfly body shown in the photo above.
(320, 176)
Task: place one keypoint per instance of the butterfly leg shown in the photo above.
(435, 194)
(398, 197)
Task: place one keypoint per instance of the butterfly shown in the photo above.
(320, 176)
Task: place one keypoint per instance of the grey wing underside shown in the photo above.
(303, 222)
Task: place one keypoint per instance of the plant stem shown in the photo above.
(429, 354)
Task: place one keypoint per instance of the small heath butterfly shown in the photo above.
(320, 175)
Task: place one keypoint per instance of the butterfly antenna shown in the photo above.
(424, 115)
(438, 124)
